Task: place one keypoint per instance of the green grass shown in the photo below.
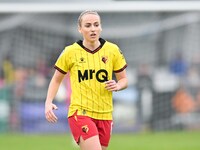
(144, 141)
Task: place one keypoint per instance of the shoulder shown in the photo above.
(114, 48)
(111, 45)
(70, 48)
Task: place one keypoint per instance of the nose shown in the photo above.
(92, 28)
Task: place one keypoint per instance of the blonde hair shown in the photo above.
(84, 13)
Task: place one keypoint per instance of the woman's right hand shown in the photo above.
(49, 114)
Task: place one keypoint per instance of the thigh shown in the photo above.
(91, 143)
(82, 126)
(105, 130)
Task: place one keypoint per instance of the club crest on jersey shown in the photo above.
(104, 59)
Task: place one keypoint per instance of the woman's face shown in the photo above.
(90, 27)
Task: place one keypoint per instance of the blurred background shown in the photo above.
(161, 45)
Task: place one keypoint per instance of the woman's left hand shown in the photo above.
(112, 85)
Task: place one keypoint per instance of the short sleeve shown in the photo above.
(119, 61)
(62, 63)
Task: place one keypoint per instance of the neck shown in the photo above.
(91, 45)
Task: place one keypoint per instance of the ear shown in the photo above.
(101, 29)
(79, 29)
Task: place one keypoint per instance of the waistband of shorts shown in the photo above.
(94, 115)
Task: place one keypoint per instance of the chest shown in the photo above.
(85, 60)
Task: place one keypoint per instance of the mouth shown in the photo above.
(93, 35)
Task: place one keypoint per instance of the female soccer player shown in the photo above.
(91, 63)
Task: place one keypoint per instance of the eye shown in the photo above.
(87, 25)
(96, 24)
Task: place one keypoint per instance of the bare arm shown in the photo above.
(52, 91)
(122, 82)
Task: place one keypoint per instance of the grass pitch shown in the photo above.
(144, 141)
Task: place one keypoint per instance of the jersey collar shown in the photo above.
(102, 42)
